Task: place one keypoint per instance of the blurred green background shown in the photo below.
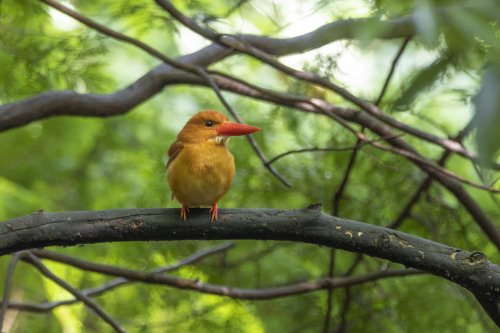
(76, 163)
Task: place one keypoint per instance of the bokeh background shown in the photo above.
(77, 163)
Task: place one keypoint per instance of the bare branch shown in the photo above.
(8, 287)
(338, 195)
(32, 259)
(239, 293)
(70, 103)
(245, 47)
(471, 270)
(92, 105)
(316, 149)
(427, 182)
(391, 71)
(110, 285)
(250, 138)
(319, 106)
(192, 69)
(119, 36)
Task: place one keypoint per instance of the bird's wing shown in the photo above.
(173, 151)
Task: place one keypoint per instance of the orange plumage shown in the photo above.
(200, 168)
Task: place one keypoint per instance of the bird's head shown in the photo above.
(212, 125)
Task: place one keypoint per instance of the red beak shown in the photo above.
(233, 129)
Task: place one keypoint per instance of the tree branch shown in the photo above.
(8, 288)
(32, 259)
(60, 103)
(250, 137)
(391, 71)
(254, 51)
(365, 120)
(471, 270)
(239, 293)
(110, 285)
(316, 149)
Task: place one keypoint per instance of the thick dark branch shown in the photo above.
(471, 270)
(70, 103)
(365, 120)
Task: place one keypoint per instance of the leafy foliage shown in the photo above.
(64, 164)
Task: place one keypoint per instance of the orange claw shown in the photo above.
(214, 210)
(184, 211)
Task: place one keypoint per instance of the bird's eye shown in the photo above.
(209, 123)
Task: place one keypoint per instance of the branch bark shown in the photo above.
(472, 270)
(60, 103)
(71, 103)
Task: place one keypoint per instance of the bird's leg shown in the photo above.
(184, 211)
(214, 210)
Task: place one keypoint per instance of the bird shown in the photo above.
(200, 168)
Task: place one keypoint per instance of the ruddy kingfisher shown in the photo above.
(200, 167)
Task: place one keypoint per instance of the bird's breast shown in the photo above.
(201, 174)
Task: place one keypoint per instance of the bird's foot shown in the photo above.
(184, 211)
(214, 210)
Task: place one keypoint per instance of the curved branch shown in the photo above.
(471, 270)
(71, 103)
(240, 293)
(32, 259)
(254, 51)
(8, 287)
(237, 293)
(60, 103)
(110, 285)
(376, 126)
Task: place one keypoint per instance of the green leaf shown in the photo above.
(421, 81)
(487, 117)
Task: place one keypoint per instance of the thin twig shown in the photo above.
(110, 285)
(8, 287)
(329, 299)
(119, 36)
(428, 180)
(197, 257)
(419, 159)
(250, 138)
(192, 69)
(239, 293)
(335, 211)
(316, 149)
(346, 305)
(391, 71)
(323, 108)
(338, 194)
(244, 47)
(33, 259)
(255, 256)
(320, 106)
(262, 294)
